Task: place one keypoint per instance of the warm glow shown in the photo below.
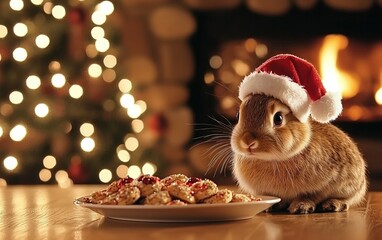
(3, 31)
(58, 12)
(1, 131)
(76, 91)
(49, 162)
(123, 155)
(62, 178)
(105, 175)
(122, 171)
(134, 171)
(3, 182)
(42, 41)
(97, 32)
(127, 100)
(87, 144)
(109, 75)
(87, 129)
(16, 5)
(16, 97)
(102, 44)
(10, 163)
(209, 78)
(20, 54)
(37, 2)
(137, 125)
(333, 78)
(20, 29)
(378, 96)
(241, 68)
(216, 62)
(41, 110)
(45, 175)
(105, 7)
(261, 50)
(134, 111)
(98, 18)
(48, 7)
(110, 61)
(33, 82)
(149, 168)
(94, 70)
(125, 85)
(58, 80)
(131, 144)
(91, 51)
(18, 133)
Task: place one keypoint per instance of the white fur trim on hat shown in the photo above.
(327, 108)
(280, 87)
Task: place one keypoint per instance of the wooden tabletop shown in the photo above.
(48, 212)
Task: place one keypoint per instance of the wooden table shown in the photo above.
(47, 212)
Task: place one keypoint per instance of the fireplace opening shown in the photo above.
(345, 48)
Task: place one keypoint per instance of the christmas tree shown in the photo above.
(67, 110)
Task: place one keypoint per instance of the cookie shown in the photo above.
(158, 198)
(222, 196)
(204, 189)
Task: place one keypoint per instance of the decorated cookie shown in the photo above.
(204, 189)
(222, 196)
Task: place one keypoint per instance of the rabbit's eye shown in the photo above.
(278, 119)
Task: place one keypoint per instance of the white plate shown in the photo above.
(186, 213)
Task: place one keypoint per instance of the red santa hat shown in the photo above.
(296, 83)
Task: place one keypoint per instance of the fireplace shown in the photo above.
(345, 47)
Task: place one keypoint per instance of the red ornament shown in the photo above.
(77, 15)
(77, 170)
(158, 124)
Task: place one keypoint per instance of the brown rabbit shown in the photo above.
(311, 166)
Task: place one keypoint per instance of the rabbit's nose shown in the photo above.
(248, 142)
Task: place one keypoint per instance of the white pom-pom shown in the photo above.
(327, 108)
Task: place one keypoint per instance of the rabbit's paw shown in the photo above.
(302, 206)
(333, 205)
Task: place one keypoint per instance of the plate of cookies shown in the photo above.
(175, 198)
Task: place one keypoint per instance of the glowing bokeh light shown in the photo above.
(76, 91)
(87, 129)
(110, 61)
(49, 162)
(105, 7)
(16, 5)
(95, 70)
(58, 12)
(98, 18)
(87, 144)
(18, 133)
(16, 97)
(105, 175)
(58, 80)
(3, 31)
(97, 32)
(127, 100)
(20, 54)
(125, 85)
(102, 44)
(42, 41)
(10, 163)
(33, 82)
(134, 171)
(41, 110)
(149, 168)
(121, 171)
(20, 29)
(131, 144)
(45, 175)
(123, 155)
(137, 125)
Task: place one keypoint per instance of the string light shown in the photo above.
(102, 44)
(123, 155)
(58, 12)
(10, 163)
(1, 131)
(149, 168)
(37, 2)
(58, 80)
(127, 100)
(105, 175)
(20, 54)
(121, 171)
(41, 110)
(16, 5)
(125, 85)
(3, 31)
(97, 32)
(131, 144)
(134, 171)
(87, 129)
(49, 162)
(87, 144)
(110, 61)
(98, 18)
(18, 133)
(33, 82)
(20, 29)
(137, 125)
(95, 70)
(42, 41)
(16, 97)
(76, 91)
(45, 175)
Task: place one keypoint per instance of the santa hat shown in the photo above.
(296, 83)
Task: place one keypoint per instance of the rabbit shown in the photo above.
(311, 166)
